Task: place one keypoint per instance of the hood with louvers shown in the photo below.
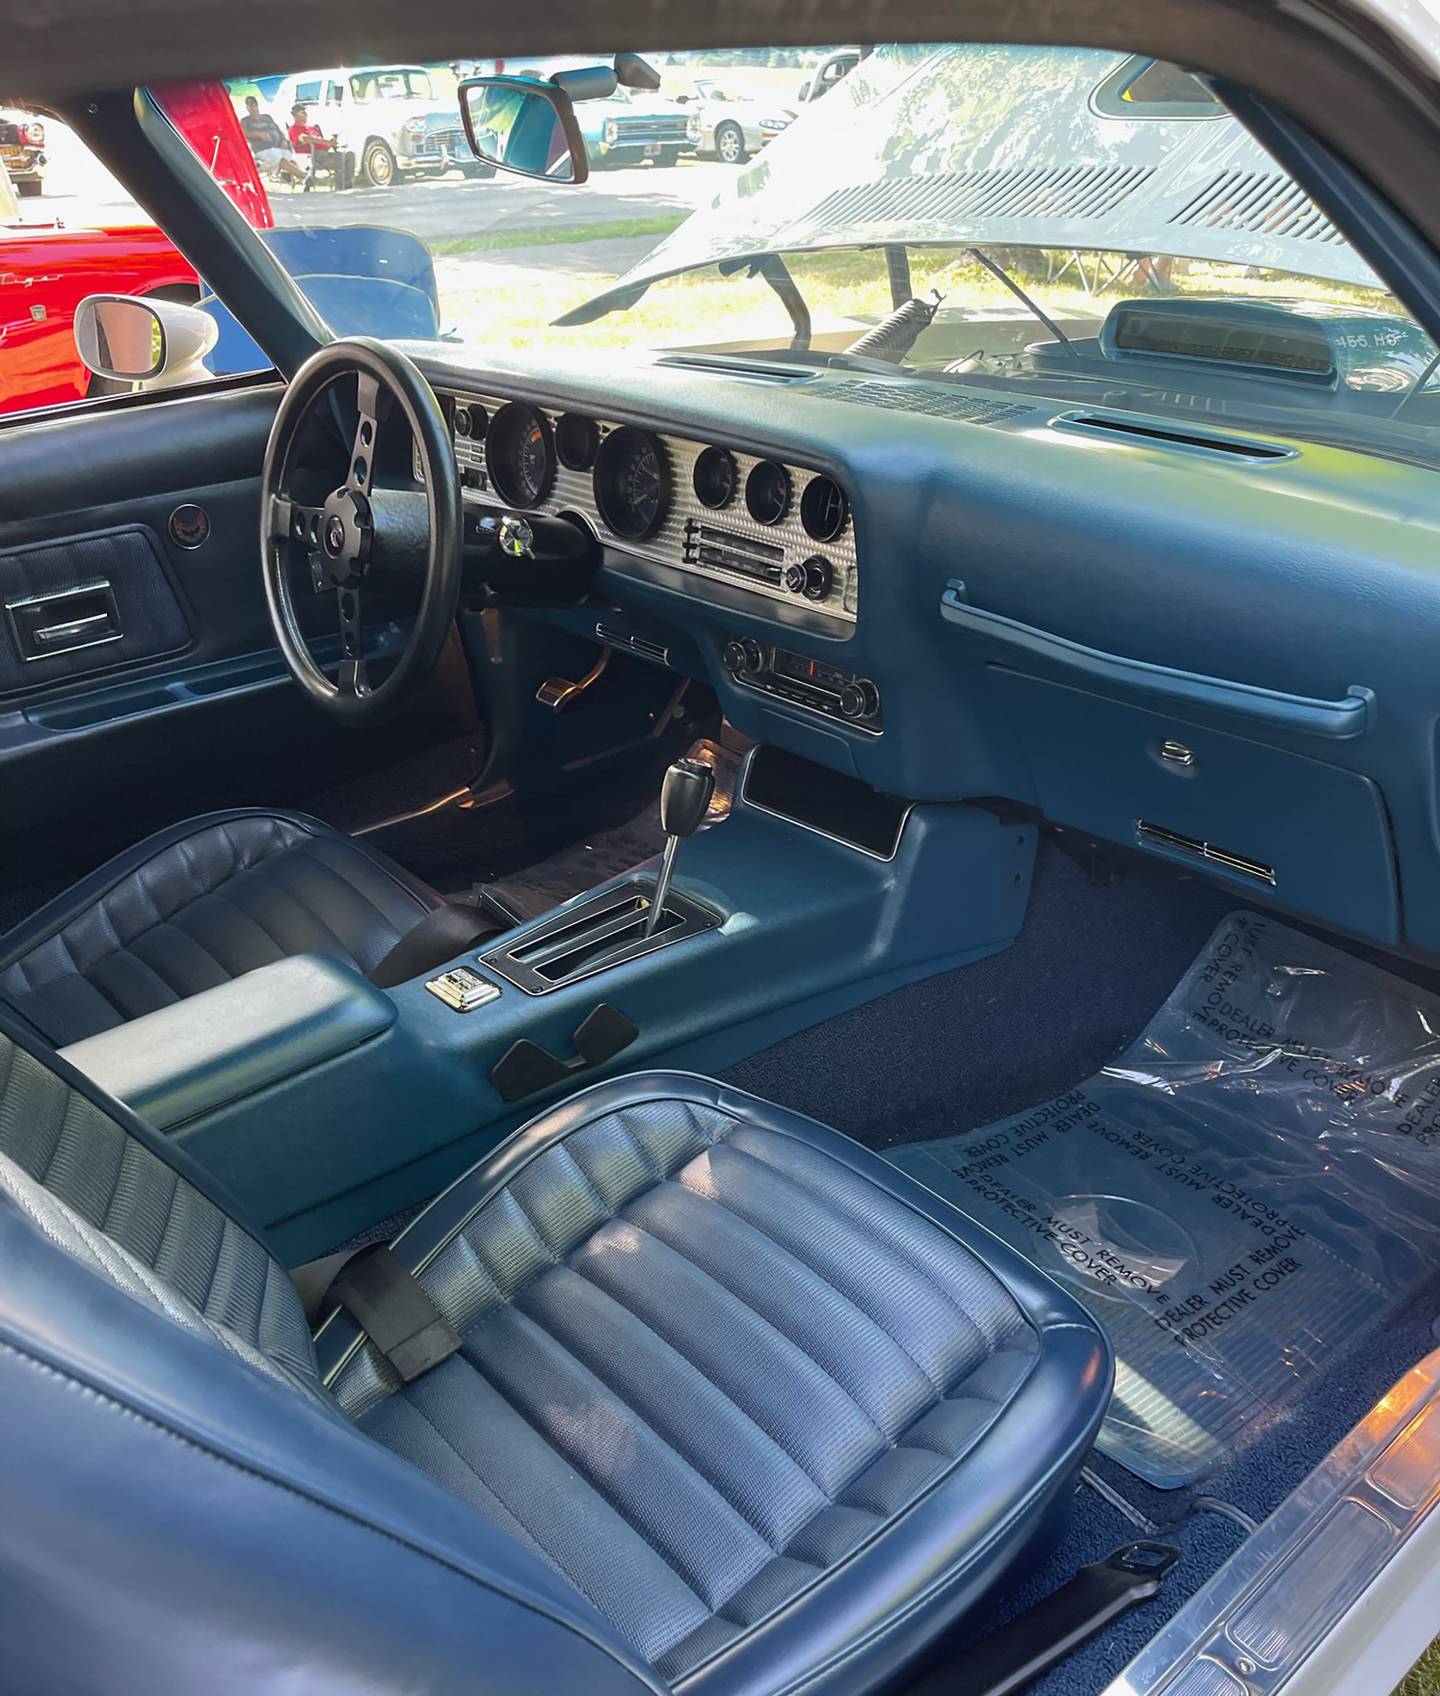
(1004, 147)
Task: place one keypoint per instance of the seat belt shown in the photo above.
(437, 938)
(385, 1299)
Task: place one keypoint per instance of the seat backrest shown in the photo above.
(185, 1507)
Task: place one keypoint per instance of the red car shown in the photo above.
(46, 269)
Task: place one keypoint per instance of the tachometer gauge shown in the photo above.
(632, 483)
(520, 455)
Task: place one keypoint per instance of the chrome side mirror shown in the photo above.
(156, 343)
(525, 127)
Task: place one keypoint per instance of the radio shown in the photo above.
(814, 684)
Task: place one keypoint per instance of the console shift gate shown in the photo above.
(620, 922)
(684, 796)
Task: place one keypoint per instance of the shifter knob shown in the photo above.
(684, 796)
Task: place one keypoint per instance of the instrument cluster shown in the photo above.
(781, 530)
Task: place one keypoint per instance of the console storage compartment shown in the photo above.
(185, 1061)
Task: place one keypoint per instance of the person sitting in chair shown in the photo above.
(311, 141)
(268, 144)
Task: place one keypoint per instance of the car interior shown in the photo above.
(711, 1021)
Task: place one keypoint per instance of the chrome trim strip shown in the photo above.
(814, 829)
(1158, 836)
(1217, 1642)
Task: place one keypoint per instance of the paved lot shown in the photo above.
(80, 191)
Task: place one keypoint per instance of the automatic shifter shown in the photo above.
(684, 797)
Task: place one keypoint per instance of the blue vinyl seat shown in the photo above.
(735, 1408)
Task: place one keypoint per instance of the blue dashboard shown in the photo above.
(1212, 645)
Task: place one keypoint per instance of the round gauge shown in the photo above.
(717, 478)
(767, 492)
(824, 510)
(632, 483)
(520, 455)
(577, 441)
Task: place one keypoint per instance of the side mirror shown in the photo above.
(804, 93)
(158, 343)
(524, 127)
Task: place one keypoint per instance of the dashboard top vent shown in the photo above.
(901, 396)
(747, 371)
(1176, 436)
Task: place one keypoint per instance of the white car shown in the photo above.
(733, 123)
(389, 116)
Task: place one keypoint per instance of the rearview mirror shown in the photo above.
(524, 127)
(155, 342)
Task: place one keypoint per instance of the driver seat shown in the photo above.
(207, 900)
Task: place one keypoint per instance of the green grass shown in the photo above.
(1424, 1677)
(570, 235)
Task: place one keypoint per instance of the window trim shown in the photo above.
(1107, 98)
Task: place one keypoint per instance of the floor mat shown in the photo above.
(1248, 1189)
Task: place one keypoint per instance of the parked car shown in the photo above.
(45, 272)
(827, 73)
(22, 148)
(634, 125)
(733, 125)
(391, 117)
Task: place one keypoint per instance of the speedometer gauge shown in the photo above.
(520, 455)
(632, 483)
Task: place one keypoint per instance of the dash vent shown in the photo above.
(1229, 447)
(900, 396)
(1157, 836)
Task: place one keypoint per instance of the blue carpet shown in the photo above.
(1081, 981)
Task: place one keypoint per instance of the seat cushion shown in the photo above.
(778, 1412)
(196, 906)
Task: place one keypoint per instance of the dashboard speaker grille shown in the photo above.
(933, 402)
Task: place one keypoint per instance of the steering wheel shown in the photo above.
(360, 528)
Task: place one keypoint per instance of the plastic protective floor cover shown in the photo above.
(1251, 1188)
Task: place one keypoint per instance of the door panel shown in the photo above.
(190, 707)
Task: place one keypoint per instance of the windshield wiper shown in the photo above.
(772, 268)
(1027, 301)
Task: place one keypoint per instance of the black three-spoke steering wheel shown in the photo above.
(360, 528)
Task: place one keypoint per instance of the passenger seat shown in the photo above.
(675, 1390)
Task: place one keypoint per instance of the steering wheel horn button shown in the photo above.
(346, 529)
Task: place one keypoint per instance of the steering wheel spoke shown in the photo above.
(362, 453)
(293, 521)
(353, 677)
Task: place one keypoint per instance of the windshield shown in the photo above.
(1084, 225)
(390, 85)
